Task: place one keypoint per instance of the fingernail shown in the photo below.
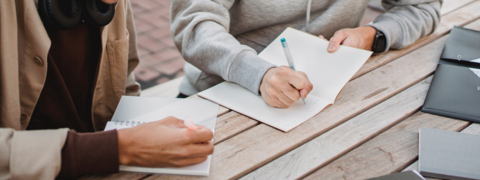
(330, 47)
(190, 125)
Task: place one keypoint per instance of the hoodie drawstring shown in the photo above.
(309, 5)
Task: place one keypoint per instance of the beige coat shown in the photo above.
(24, 45)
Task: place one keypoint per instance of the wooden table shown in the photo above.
(371, 130)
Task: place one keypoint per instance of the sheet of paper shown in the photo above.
(245, 102)
(200, 112)
(475, 71)
(130, 107)
(328, 72)
(476, 60)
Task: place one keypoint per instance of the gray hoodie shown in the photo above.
(220, 39)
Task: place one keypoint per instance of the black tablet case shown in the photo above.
(454, 91)
(462, 45)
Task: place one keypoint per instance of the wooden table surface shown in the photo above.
(371, 130)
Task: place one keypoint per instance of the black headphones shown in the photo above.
(65, 14)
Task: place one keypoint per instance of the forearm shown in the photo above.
(89, 153)
(200, 31)
(31, 154)
(406, 21)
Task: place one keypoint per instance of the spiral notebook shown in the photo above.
(133, 111)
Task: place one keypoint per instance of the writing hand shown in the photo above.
(280, 86)
(164, 143)
(360, 37)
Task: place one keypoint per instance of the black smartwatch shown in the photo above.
(379, 43)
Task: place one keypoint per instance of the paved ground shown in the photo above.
(160, 59)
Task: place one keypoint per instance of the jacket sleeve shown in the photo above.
(406, 21)
(132, 88)
(200, 30)
(31, 154)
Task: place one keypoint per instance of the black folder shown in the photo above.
(462, 45)
(455, 88)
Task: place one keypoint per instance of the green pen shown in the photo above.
(289, 57)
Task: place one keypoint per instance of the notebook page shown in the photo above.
(200, 112)
(245, 102)
(130, 107)
(328, 72)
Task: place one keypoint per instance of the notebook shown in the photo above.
(133, 111)
(455, 88)
(448, 155)
(462, 45)
(407, 175)
(328, 72)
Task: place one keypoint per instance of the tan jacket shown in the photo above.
(24, 45)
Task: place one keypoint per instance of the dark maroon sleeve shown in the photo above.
(89, 153)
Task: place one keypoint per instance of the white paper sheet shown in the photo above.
(328, 72)
(245, 102)
(141, 109)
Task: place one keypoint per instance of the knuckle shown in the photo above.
(283, 70)
(341, 32)
(275, 82)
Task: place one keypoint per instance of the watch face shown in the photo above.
(380, 42)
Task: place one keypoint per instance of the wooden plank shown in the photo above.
(253, 148)
(231, 124)
(450, 5)
(341, 139)
(471, 129)
(168, 89)
(459, 17)
(387, 153)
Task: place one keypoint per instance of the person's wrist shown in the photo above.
(124, 143)
(368, 33)
(265, 79)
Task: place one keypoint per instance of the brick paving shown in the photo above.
(160, 60)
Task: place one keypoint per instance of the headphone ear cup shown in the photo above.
(60, 14)
(97, 13)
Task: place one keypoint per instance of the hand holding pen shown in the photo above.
(281, 87)
(288, 55)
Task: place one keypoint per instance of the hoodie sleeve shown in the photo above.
(406, 21)
(200, 30)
